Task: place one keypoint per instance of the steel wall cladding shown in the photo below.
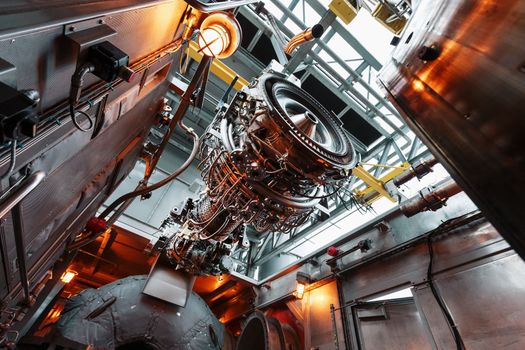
(467, 105)
(480, 279)
(80, 169)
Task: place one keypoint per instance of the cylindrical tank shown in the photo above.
(458, 75)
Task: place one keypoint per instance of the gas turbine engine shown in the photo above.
(267, 160)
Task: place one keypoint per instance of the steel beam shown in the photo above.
(220, 69)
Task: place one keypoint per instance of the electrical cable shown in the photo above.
(164, 181)
(73, 112)
(99, 90)
(77, 82)
(457, 337)
(12, 161)
(92, 237)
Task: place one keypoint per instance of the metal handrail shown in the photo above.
(21, 192)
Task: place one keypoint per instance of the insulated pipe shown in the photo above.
(308, 34)
(430, 198)
(263, 332)
(423, 168)
(119, 314)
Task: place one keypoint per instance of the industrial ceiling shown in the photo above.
(344, 69)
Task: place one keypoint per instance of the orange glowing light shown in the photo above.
(418, 85)
(68, 276)
(213, 40)
(299, 290)
(219, 35)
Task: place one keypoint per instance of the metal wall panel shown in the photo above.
(400, 328)
(438, 331)
(409, 267)
(321, 328)
(488, 303)
(45, 59)
(81, 168)
(467, 104)
(480, 279)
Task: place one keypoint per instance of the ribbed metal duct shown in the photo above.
(263, 332)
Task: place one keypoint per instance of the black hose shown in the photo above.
(77, 82)
(457, 337)
(73, 113)
(161, 183)
(12, 161)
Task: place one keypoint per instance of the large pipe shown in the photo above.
(308, 34)
(264, 332)
(419, 170)
(431, 198)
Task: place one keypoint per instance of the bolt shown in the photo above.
(100, 21)
(71, 29)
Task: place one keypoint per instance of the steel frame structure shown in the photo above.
(351, 80)
(397, 146)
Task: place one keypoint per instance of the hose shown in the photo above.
(77, 82)
(161, 183)
(91, 237)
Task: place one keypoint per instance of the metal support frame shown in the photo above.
(179, 113)
(11, 199)
(396, 149)
(220, 69)
(12, 203)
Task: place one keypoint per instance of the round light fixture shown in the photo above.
(220, 35)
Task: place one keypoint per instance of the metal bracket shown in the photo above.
(87, 33)
(168, 284)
